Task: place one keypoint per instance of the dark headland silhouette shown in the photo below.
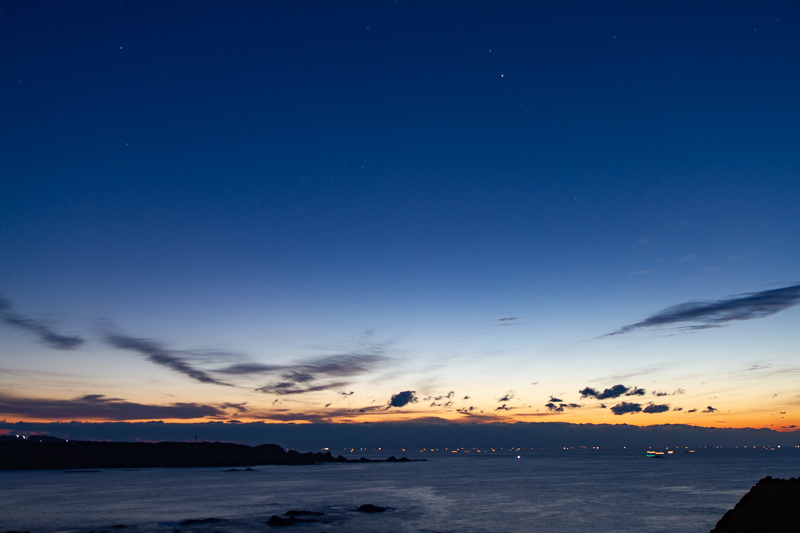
(771, 506)
(22, 454)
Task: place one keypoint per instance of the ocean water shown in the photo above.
(548, 492)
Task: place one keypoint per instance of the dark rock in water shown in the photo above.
(296, 512)
(771, 506)
(200, 521)
(276, 520)
(369, 508)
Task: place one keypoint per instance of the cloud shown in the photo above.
(653, 408)
(588, 392)
(673, 393)
(703, 315)
(40, 328)
(296, 386)
(692, 411)
(614, 392)
(237, 406)
(322, 373)
(173, 359)
(678, 409)
(241, 369)
(346, 393)
(508, 397)
(635, 392)
(402, 399)
(98, 407)
(559, 408)
(504, 408)
(625, 407)
(709, 409)
(555, 400)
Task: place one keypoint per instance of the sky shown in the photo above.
(385, 211)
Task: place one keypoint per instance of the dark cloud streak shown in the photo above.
(306, 377)
(156, 353)
(703, 315)
(98, 407)
(40, 328)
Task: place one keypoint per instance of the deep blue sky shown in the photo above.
(285, 182)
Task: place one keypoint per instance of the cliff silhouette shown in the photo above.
(771, 506)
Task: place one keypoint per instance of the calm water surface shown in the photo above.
(549, 492)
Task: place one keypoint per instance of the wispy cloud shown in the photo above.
(176, 360)
(323, 373)
(703, 315)
(99, 407)
(508, 396)
(42, 329)
(673, 393)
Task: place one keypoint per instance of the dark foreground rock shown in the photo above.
(369, 508)
(276, 520)
(771, 506)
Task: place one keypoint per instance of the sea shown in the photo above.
(547, 491)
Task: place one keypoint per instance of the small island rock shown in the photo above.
(369, 508)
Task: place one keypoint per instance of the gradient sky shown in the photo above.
(385, 210)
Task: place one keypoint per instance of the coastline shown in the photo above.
(30, 454)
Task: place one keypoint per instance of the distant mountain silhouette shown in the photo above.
(771, 506)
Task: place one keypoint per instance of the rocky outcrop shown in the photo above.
(369, 508)
(771, 506)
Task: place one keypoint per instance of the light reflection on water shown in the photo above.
(550, 492)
